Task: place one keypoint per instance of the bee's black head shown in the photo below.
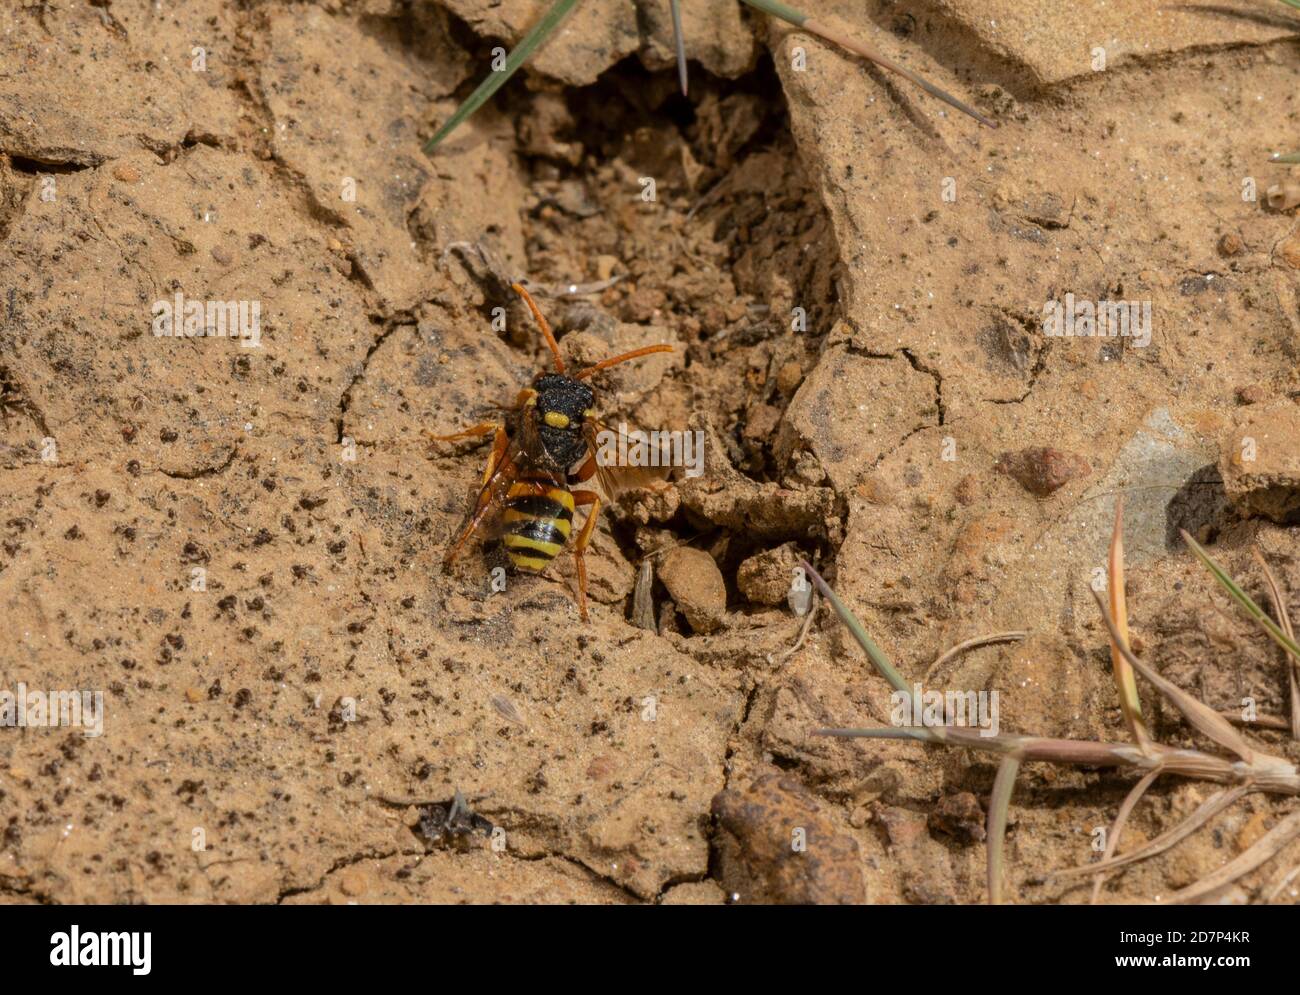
(561, 406)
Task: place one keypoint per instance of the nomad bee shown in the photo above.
(546, 444)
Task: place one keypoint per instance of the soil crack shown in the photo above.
(341, 864)
(401, 320)
(203, 471)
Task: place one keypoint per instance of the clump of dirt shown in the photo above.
(777, 847)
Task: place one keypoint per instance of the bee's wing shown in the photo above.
(484, 518)
(617, 449)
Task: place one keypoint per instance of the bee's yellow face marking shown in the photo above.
(556, 419)
(589, 413)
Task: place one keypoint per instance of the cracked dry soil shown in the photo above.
(310, 709)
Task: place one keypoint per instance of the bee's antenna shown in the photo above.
(518, 288)
(606, 363)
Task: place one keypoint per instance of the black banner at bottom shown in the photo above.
(889, 944)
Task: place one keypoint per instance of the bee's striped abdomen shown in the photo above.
(536, 525)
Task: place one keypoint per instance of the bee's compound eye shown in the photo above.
(556, 419)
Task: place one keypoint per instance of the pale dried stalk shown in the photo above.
(1117, 828)
(1265, 773)
(999, 802)
(803, 630)
(1255, 856)
(994, 637)
(1206, 811)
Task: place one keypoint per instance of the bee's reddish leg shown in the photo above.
(474, 431)
(581, 498)
(499, 445)
(587, 470)
(485, 427)
(500, 442)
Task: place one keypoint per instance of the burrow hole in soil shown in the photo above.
(735, 239)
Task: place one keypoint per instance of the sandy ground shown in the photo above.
(240, 548)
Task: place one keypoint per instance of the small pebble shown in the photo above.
(968, 490)
(696, 585)
(1042, 470)
(788, 377)
(1289, 252)
(1251, 394)
(1230, 244)
(767, 577)
(353, 882)
(605, 266)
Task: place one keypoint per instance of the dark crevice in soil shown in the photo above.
(678, 879)
(196, 473)
(340, 864)
(735, 238)
(253, 28)
(1007, 349)
(941, 412)
(718, 257)
(169, 152)
(54, 161)
(10, 886)
(14, 399)
(402, 320)
(635, 897)
(309, 204)
(935, 375)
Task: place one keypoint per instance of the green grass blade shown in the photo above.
(497, 78)
(1242, 598)
(780, 10)
(679, 43)
(874, 652)
(1291, 158)
(1292, 3)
